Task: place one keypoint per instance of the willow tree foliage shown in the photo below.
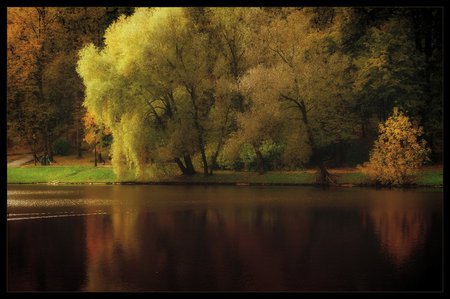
(151, 85)
(113, 97)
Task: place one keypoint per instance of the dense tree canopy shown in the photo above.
(205, 88)
(44, 91)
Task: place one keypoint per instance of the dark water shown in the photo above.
(228, 238)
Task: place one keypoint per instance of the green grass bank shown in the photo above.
(431, 177)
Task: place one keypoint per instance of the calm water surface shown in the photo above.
(223, 238)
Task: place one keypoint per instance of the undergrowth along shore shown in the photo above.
(105, 175)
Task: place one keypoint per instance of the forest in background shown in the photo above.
(220, 88)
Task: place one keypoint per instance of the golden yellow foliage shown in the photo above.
(398, 152)
(94, 132)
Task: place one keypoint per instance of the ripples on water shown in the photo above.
(57, 202)
(12, 193)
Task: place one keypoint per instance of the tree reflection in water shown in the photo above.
(165, 238)
(399, 223)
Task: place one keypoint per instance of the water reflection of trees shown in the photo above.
(191, 249)
(224, 248)
(155, 241)
(400, 222)
(251, 247)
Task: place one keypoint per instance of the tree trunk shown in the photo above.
(201, 141)
(33, 149)
(213, 164)
(323, 177)
(47, 141)
(189, 166)
(204, 161)
(259, 160)
(50, 148)
(181, 166)
(78, 139)
(95, 155)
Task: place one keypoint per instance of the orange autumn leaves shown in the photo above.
(94, 132)
(398, 152)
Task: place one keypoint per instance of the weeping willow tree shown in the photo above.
(113, 99)
(122, 90)
(151, 85)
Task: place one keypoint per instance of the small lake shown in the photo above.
(223, 238)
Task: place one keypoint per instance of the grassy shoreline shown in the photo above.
(427, 177)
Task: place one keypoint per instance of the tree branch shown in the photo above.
(296, 102)
(282, 56)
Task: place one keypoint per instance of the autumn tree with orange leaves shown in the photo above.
(44, 91)
(96, 135)
(398, 152)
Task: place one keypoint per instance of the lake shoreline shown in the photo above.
(237, 184)
(88, 175)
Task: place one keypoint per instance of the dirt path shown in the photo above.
(21, 161)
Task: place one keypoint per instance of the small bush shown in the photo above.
(61, 147)
(398, 152)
